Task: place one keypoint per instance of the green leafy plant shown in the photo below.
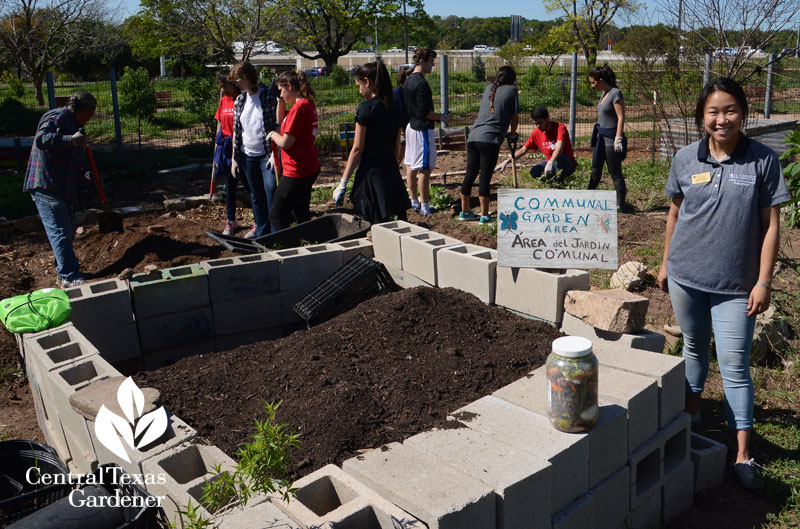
(479, 69)
(15, 86)
(440, 199)
(263, 467)
(202, 102)
(321, 195)
(791, 174)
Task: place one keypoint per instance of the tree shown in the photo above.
(513, 53)
(556, 42)
(137, 96)
(589, 19)
(730, 24)
(112, 50)
(332, 27)
(39, 34)
(205, 28)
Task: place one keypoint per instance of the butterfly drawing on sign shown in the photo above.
(605, 223)
(508, 221)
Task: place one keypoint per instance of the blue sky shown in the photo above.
(464, 8)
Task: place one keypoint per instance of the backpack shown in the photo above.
(36, 311)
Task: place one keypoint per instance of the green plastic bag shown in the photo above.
(36, 311)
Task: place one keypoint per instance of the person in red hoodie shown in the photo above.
(552, 139)
(300, 162)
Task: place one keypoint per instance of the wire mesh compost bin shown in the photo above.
(358, 280)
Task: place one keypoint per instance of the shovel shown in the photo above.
(513, 148)
(108, 220)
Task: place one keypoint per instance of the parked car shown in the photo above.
(367, 50)
(404, 65)
(480, 48)
(317, 71)
(725, 52)
(412, 48)
(273, 47)
(394, 49)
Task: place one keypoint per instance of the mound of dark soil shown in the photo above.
(394, 366)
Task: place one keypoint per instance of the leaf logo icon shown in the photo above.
(135, 429)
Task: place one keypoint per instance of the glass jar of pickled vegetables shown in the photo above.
(572, 385)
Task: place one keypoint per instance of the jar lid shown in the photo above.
(572, 346)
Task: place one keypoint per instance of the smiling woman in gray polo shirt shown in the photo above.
(720, 249)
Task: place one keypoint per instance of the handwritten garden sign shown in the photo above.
(550, 228)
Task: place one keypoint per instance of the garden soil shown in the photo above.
(392, 367)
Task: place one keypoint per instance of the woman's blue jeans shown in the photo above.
(59, 225)
(697, 312)
(261, 179)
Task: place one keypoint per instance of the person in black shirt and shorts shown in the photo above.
(378, 192)
(420, 146)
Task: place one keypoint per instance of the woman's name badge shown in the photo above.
(701, 178)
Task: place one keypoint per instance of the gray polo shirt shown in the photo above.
(491, 127)
(716, 245)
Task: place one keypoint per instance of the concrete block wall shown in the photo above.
(708, 457)
(386, 241)
(469, 268)
(499, 470)
(102, 311)
(645, 340)
(420, 251)
(538, 293)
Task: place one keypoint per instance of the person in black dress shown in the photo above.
(378, 191)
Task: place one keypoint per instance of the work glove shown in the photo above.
(548, 169)
(338, 193)
(79, 139)
(618, 144)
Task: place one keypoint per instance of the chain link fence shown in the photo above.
(659, 95)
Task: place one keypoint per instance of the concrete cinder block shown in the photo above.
(668, 372)
(288, 299)
(242, 277)
(177, 433)
(659, 458)
(708, 457)
(166, 357)
(263, 515)
(520, 481)
(645, 340)
(420, 485)
(118, 345)
(677, 494)
(469, 268)
(635, 393)
(64, 382)
(354, 247)
(386, 241)
(608, 439)
(647, 515)
(169, 291)
(235, 316)
(677, 444)
(420, 252)
(185, 468)
(83, 458)
(538, 293)
(100, 305)
(232, 341)
(169, 331)
(54, 348)
(330, 495)
(578, 515)
(305, 267)
(612, 499)
(404, 279)
(567, 453)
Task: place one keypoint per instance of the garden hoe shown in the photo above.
(512, 146)
(108, 220)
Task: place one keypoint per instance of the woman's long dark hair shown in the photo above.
(505, 75)
(378, 75)
(604, 73)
